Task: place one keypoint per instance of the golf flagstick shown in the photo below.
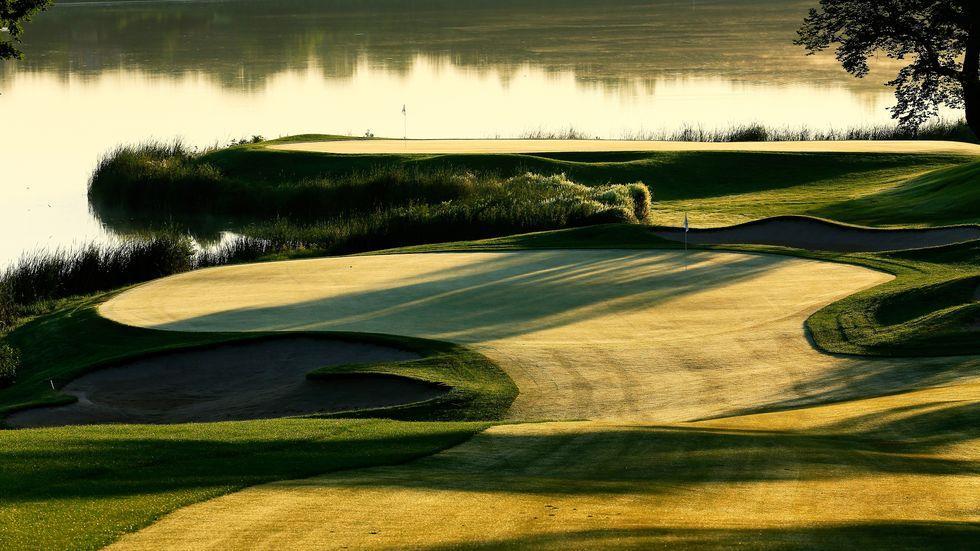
(687, 228)
(405, 117)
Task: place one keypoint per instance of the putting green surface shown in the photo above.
(631, 341)
(356, 146)
(641, 335)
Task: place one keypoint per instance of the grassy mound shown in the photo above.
(948, 196)
(479, 389)
(932, 308)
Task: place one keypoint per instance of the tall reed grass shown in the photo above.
(525, 203)
(9, 363)
(757, 132)
(47, 275)
(161, 177)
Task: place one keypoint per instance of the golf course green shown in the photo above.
(790, 383)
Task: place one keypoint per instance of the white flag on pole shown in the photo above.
(687, 227)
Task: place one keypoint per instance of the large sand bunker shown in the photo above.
(251, 380)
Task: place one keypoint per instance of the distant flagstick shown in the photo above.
(405, 117)
(687, 228)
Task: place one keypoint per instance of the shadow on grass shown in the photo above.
(502, 296)
(127, 460)
(89, 463)
(871, 535)
(652, 460)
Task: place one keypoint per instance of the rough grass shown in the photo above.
(9, 363)
(943, 130)
(714, 188)
(40, 276)
(520, 204)
(162, 178)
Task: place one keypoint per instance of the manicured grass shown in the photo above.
(931, 308)
(81, 487)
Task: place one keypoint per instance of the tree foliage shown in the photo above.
(13, 15)
(940, 39)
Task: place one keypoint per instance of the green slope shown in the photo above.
(946, 196)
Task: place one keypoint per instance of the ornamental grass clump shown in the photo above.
(9, 363)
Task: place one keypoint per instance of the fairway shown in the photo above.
(387, 146)
(628, 339)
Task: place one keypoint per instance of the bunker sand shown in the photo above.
(646, 344)
(238, 381)
(385, 146)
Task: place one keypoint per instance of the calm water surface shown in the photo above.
(98, 74)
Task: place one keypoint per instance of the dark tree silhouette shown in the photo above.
(940, 39)
(13, 13)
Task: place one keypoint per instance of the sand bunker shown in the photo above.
(357, 146)
(253, 380)
(820, 235)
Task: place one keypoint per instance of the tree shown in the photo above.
(13, 14)
(940, 39)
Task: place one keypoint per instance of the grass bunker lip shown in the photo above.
(238, 381)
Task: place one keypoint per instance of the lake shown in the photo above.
(98, 74)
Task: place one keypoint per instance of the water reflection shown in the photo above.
(241, 44)
(98, 75)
